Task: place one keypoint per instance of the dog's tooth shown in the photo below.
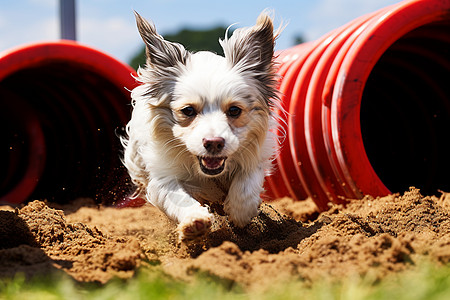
(216, 162)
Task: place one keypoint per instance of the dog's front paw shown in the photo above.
(240, 216)
(194, 228)
(240, 220)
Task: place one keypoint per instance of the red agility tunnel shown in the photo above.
(368, 110)
(368, 107)
(61, 106)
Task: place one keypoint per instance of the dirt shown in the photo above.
(288, 240)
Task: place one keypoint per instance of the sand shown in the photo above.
(287, 241)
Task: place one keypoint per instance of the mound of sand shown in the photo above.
(288, 240)
(36, 239)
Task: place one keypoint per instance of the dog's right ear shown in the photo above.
(160, 53)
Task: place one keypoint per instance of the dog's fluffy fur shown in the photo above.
(202, 131)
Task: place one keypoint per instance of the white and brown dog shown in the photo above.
(203, 131)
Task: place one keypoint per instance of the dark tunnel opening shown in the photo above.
(405, 112)
(78, 113)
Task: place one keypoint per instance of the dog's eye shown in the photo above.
(234, 111)
(189, 111)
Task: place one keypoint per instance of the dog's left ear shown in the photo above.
(161, 54)
(251, 51)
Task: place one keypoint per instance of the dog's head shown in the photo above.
(217, 107)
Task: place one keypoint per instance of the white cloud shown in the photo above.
(14, 32)
(326, 15)
(112, 35)
(44, 3)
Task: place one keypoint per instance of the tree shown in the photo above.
(192, 40)
(299, 39)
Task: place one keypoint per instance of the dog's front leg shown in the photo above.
(244, 197)
(193, 219)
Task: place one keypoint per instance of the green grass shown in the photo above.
(426, 282)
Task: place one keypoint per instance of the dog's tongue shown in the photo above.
(212, 162)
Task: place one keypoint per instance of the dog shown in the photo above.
(203, 130)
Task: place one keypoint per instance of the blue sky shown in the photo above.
(109, 25)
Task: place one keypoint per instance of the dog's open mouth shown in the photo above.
(212, 165)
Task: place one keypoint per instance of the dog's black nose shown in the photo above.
(214, 145)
